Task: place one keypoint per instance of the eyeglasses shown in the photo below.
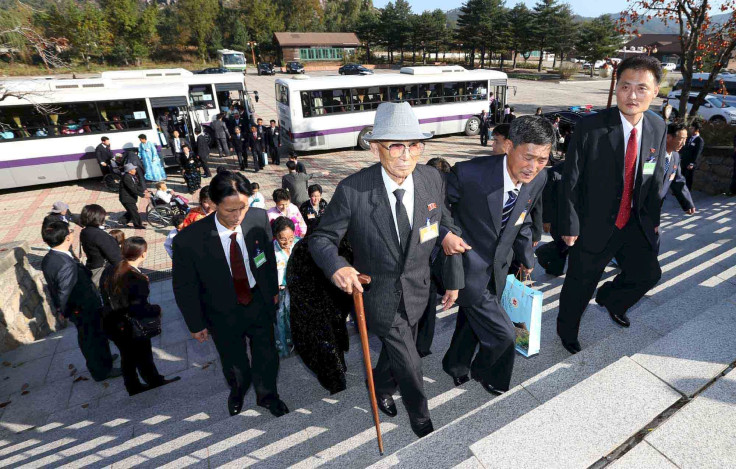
(398, 149)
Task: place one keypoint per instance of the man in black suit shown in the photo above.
(300, 168)
(673, 178)
(222, 135)
(104, 155)
(273, 141)
(614, 170)
(236, 122)
(177, 143)
(226, 284)
(690, 153)
(491, 199)
(552, 256)
(203, 151)
(130, 190)
(240, 148)
(391, 213)
(76, 298)
(484, 127)
(255, 143)
(492, 109)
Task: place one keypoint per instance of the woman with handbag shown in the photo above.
(130, 320)
(101, 248)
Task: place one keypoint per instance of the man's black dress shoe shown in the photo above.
(387, 405)
(621, 320)
(459, 380)
(277, 407)
(489, 387)
(235, 401)
(572, 347)
(422, 430)
(137, 389)
(164, 382)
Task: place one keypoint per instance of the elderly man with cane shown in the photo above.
(392, 213)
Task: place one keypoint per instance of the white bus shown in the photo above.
(337, 111)
(209, 94)
(232, 60)
(50, 134)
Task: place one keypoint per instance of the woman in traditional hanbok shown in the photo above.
(152, 163)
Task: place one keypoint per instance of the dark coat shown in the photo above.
(593, 180)
(692, 150)
(103, 154)
(256, 144)
(70, 284)
(99, 247)
(273, 136)
(673, 179)
(202, 281)
(220, 129)
(360, 210)
(203, 148)
(551, 197)
(475, 193)
(297, 185)
(130, 189)
(239, 144)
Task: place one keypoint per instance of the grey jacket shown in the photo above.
(360, 210)
(220, 129)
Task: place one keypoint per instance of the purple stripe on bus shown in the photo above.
(54, 159)
(359, 128)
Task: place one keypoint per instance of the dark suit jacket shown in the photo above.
(360, 210)
(256, 143)
(70, 284)
(241, 123)
(129, 189)
(273, 137)
(99, 247)
(203, 148)
(220, 129)
(593, 179)
(103, 154)
(692, 150)
(296, 184)
(183, 141)
(203, 284)
(673, 179)
(475, 192)
(239, 144)
(551, 196)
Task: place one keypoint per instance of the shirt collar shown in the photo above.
(224, 232)
(669, 154)
(508, 184)
(627, 126)
(63, 252)
(391, 186)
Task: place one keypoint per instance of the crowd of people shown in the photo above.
(268, 283)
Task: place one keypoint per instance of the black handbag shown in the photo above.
(145, 328)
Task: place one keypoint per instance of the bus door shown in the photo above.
(172, 113)
(499, 88)
(231, 98)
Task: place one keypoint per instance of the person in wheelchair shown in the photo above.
(166, 196)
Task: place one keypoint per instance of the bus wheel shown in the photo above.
(362, 143)
(472, 127)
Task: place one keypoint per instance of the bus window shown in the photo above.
(478, 90)
(429, 93)
(76, 118)
(317, 103)
(282, 94)
(123, 115)
(307, 108)
(366, 99)
(22, 122)
(201, 97)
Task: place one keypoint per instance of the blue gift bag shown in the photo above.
(523, 304)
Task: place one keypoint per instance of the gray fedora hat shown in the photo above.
(128, 167)
(396, 121)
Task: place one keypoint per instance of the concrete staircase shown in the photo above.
(563, 411)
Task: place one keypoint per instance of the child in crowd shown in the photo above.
(256, 200)
(205, 207)
(284, 208)
(283, 244)
(178, 222)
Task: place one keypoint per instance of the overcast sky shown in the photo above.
(580, 7)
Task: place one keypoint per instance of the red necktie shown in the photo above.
(624, 210)
(240, 276)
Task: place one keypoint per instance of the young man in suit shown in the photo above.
(222, 135)
(203, 151)
(255, 143)
(690, 153)
(240, 148)
(226, 284)
(392, 214)
(492, 198)
(673, 178)
(177, 143)
(130, 190)
(273, 140)
(76, 298)
(104, 155)
(614, 170)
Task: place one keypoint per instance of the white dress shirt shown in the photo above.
(508, 184)
(225, 234)
(177, 145)
(627, 132)
(407, 200)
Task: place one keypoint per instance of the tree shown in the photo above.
(303, 15)
(20, 36)
(520, 21)
(563, 41)
(598, 40)
(133, 26)
(705, 46)
(83, 23)
(262, 19)
(438, 31)
(494, 33)
(543, 30)
(198, 18)
(468, 26)
(367, 28)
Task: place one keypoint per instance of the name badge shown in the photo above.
(310, 216)
(649, 168)
(260, 259)
(672, 177)
(521, 218)
(428, 232)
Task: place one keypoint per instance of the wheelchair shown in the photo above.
(111, 180)
(160, 214)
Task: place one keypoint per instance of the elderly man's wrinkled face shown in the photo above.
(526, 160)
(398, 158)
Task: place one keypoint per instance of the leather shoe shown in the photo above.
(385, 402)
(133, 390)
(422, 430)
(489, 387)
(460, 380)
(621, 320)
(235, 401)
(572, 347)
(277, 408)
(164, 382)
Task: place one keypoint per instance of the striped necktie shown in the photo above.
(508, 207)
(666, 165)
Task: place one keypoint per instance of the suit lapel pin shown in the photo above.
(431, 206)
(652, 150)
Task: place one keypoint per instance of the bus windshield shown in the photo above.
(233, 59)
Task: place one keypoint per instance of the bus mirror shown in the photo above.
(255, 93)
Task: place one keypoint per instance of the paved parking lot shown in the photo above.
(23, 210)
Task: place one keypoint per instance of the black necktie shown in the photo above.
(508, 207)
(402, 220)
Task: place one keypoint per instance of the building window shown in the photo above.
(322, 53)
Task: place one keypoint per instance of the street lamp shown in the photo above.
(253, 45)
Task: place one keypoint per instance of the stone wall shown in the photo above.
(26, 313)
(713, 170)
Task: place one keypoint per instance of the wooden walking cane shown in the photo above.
(363, 329)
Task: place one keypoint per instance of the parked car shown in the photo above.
(354, 69)
(294, 67)
(699, 80)
(714, 109)
(598, 64)
(212, 70)
(266, 68)
(670, 67)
